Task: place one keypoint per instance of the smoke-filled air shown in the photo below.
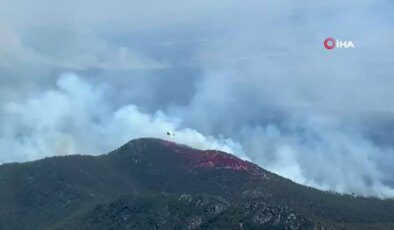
(251, 78)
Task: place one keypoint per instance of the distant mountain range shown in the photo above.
(155, 184)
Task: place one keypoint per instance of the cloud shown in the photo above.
(75, 118)
(319, 152)
(311, 144)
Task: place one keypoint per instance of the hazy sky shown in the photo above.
(250, 77)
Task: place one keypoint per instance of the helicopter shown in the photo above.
(171, 134)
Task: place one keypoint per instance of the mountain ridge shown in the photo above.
(155, 184)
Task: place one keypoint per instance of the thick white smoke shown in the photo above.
(321, 154)
(289, 136)
(75, 118)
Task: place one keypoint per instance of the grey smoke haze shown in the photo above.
(251, 78)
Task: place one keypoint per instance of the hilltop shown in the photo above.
(155, 184)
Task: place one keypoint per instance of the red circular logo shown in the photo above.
(329, 43)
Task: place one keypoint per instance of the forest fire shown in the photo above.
(210, 158)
